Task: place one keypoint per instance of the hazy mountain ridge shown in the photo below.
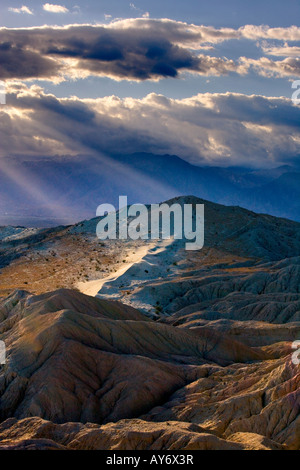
(59, 190)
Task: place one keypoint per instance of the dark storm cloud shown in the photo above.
(134, 49)
(139, 51)
(17, 62)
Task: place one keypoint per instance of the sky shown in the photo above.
(210, 82)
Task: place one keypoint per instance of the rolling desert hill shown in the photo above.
(174, 349)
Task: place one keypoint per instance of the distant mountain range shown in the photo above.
(49, 191)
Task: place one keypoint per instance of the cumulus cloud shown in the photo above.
(19, 62)
(55, 8)
(281, 51)
(289, 67)
(121, 50)
(134, 49)
(23, 9)
(224, 129)
(291, 33)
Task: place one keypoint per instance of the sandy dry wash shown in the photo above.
(178, 350)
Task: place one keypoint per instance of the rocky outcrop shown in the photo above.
(37, 434)
(179, 351)
(261, 398)
(75, 358)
